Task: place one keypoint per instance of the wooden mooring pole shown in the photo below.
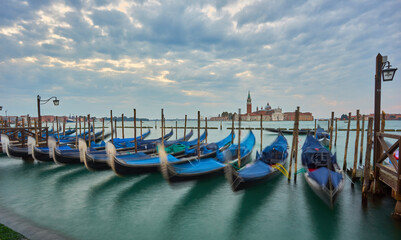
(93, 124)
(232, 129)
(366, 172)
(315, 127)
(63, 126)
(356, 147)
(296, 144)
(161, 119)
(346, 143)
(331, 131)
(122, 125)
(198, 147)
(141, 129)
(102, 129)
(176, 130)
(335, 140)
(76, 131)
(111, 125)
(115, 125)
(206, 129)
(239, 138)
(362, 137)
(261, 133)
(185, 127)
(89, 130)
(58, 131)
(136, 142)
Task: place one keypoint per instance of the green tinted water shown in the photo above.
(99, 205)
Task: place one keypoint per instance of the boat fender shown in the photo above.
(111, 152)
(4, 142)
(82, 149)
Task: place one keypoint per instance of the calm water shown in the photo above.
(99, 205)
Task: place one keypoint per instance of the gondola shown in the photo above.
(16, 151)
(46, 155)
(74, 156)
(205, 167)
(322, 173)
(123, 165)
(99, 160)
(266, 166)
(290, 132)
(43, 153)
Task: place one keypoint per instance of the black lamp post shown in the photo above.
(56, 102)
(387, 74)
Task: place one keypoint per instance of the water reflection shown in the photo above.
(199, 191)
(324, 220)
(137, 188)
(111, 182)
(69, 178)
(251, 202)
(55, 170)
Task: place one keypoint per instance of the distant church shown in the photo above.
(266, 113)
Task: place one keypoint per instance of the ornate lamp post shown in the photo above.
(56, 102)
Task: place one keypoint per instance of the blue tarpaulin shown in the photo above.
(321, 175)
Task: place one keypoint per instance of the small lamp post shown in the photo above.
(387, 74)
(56, 102)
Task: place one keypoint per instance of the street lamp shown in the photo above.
(56, 102)
(387, 74)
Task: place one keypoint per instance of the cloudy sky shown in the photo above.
(185, 56)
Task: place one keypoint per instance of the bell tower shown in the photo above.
(249, 104)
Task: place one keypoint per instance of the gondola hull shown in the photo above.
(18, 152)
(41, 155)
(328, 196)
(95, 165)
(62, 157)
(173, 176)
(239, 183)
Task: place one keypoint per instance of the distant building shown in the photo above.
(266, 113)
(306, 116)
